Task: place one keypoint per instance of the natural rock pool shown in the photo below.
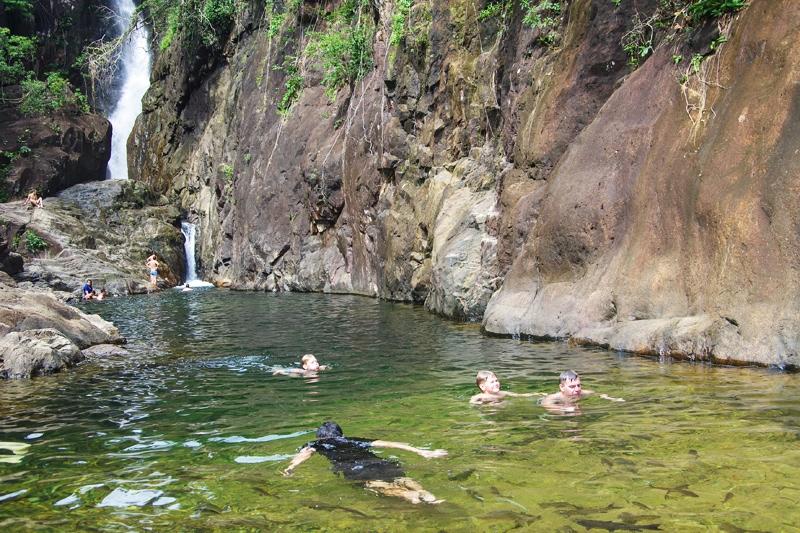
(192, 430)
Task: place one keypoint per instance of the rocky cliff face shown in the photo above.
(546, 189)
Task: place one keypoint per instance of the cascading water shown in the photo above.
(135, 79)
(188, 230)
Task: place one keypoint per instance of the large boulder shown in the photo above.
(22, 310)
(35, 352)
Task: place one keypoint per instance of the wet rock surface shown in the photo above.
(547, 191)
(40, 334)
(101, 231)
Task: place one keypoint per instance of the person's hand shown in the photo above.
(432, 454)
(287, 472)
(611, 398)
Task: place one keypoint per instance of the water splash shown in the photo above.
(135, 76)
(189, 238)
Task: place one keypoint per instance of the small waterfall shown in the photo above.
(135, 79)
(188, 230)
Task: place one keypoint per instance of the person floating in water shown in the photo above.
(310, 367)
(186, 288)
(489, 386)
(570, 391)
(152, 266)
(352, 458)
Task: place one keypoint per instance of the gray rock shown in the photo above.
(37, 352)
(120, 497)
(104, 350)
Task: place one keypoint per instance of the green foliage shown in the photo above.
(173, 19)
(616, 2)
(227, 172)
(344, 50)
(545, 16)
(695, 63)
(33, 242)
(293, 85)
(198, 22)
(16, 52)
(700, 9)
(22, 7)
(401, 10)
(492, 10)
(41, 97)
(15, 241)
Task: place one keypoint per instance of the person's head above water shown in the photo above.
(309, 362)
(329, 430)
(487, 382)
(569, 383)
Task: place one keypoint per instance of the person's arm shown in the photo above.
(525, 394)
(611, 398)
(301, 457)
(407, 447)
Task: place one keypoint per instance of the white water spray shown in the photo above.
(135, 76)
(188, 230)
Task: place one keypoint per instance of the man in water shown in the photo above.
(88, 290)
(309, 369)
(152, 265)
(352, 458)
(489, 385)
(186, 288)
(570, 391)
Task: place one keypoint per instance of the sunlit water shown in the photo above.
(195, 414)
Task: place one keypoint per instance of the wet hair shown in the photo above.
(567, 375)
(307, 357)
(329, 430)
(482, 376)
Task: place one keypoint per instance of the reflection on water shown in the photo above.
(192, 429)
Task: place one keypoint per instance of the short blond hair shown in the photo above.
(307, 357)
(482, 376)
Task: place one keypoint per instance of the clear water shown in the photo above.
(196, 414)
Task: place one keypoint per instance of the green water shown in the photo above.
(694, 448)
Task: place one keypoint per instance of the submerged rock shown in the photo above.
(120, 497)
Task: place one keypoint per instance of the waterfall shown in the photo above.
(134, 77)
(188, 230)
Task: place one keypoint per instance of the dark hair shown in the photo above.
(329, 430)
(568, 375)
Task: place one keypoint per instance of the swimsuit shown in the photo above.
(154, 272)
(351, 458)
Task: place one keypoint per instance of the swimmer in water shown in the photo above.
(310, 367)
(569, 393)
(489, 386)
(354, 460)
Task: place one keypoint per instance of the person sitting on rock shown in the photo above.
(310, 367)
(570, 391)
(352, 458)
(88, 291)
(489, 386)
(33, 199)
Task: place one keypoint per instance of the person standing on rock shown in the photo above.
(152, 266)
